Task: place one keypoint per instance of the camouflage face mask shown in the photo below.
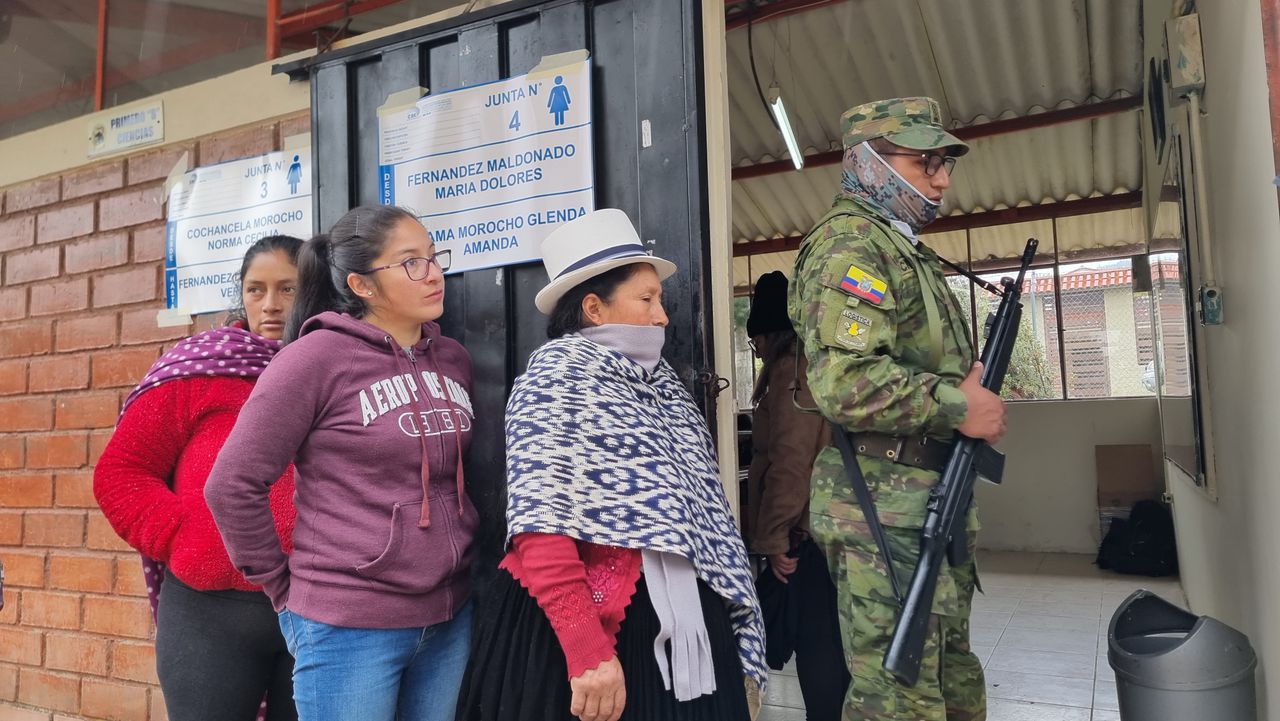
(870, 177)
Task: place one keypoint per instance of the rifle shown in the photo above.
(948, 505)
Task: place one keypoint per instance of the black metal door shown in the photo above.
(646, 68)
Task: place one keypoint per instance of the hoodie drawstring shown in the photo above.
(459, 473)
(424, 520)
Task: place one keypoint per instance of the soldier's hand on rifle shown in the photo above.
(986, 417)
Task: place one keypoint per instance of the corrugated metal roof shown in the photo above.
(982, 59)
(1118, 229)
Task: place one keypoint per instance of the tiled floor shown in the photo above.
(1040, 630)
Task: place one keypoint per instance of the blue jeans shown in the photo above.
(376, 674)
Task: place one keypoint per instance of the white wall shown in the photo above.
(1230, 549)
(1048, 501)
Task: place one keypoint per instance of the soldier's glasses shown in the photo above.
(419, 268)
(933, 162)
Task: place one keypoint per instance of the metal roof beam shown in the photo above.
(769, 11)
(1022, 214)
(1046, 119)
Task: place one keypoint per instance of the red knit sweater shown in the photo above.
(150, 479)
(583, 588)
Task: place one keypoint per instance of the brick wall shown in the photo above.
(81, 273)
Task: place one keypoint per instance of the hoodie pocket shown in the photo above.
(415, 560)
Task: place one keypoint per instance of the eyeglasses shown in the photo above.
(419, 268)
(751, 343)
(932, 161)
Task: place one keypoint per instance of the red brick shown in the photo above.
(116, 701)
(139, 326)
(90, 410)
(130, 286)
(104, 250)
(157, 164)
(26, 414)
(28, 490)
(98, 443)
(117, 616)
(57, 450)
(11, 614)
(56, 529)
(74, 490)
(12, 451)
(99, 331)
(158, 710)
(33, 337)
(149, 244)
(101, 536)
(8, 682)
(243, 143)
(92, 574)
(130, 580)
(134, 662)
(13, 304)
(97, 179)
(18, 231)
(59, 373)
(24, 266)
(77, 654)
(24, 568)
(68, 221)
(295, 125)
(133, 207)
(49, 690)
(45, 609)
(16, 713)
(10, 528)
(59, 297)
(20, 645)
(116, 368)
(32, 195)
(13, 377)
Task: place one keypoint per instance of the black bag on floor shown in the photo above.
(1143, 545)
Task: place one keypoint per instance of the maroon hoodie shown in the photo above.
(372, 429)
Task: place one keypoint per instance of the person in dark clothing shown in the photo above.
(785, 438)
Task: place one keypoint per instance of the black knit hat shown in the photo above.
(769, 305)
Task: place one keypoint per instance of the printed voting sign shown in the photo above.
(492, 169)
(217, 212)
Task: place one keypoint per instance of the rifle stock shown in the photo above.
(943, 531)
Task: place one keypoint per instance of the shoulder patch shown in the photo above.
(861, 284)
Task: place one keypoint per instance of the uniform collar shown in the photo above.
(865, 208)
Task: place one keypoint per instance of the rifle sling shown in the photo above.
(853, 472)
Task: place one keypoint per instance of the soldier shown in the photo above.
(891, 360)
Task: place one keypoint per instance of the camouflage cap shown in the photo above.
(910, 122)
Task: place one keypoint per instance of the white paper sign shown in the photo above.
(124, 128)
(217, 212)
(492, 169)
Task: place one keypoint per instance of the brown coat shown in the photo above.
(784, 442)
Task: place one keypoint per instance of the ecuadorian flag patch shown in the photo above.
(862, 284)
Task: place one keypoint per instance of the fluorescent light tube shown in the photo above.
(784, 126)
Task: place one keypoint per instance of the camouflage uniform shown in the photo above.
(889, 365)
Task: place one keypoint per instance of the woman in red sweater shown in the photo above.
(626, 592)
(218, 644)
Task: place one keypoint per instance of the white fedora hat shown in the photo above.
(588, 246)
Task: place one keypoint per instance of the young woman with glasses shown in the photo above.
(373, 405)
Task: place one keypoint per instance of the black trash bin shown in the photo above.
(1171, 665)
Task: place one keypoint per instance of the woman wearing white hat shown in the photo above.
(626, 590)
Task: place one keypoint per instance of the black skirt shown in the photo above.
(518, 672)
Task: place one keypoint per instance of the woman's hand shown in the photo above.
(782, 565)
(600, 693)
